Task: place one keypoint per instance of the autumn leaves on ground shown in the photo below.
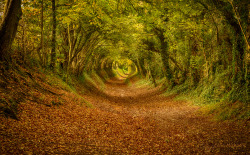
(132, 118)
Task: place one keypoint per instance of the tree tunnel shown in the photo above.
(124, 76)
(184, 44)
(119, 69)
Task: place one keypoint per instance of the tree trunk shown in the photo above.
(8, 29)
(241, 44)
(42, 37)
(164, 53)
(53, 50)
(139, 67)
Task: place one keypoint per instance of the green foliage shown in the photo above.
(216, 96)
(60, 81)
(144, 83)
(92, 81)
(197, 46)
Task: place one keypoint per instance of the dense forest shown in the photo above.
(195, 50)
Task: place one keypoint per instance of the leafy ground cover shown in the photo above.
(122, 119)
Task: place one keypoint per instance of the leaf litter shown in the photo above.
(141, 121)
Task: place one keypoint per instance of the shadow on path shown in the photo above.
(180, 122)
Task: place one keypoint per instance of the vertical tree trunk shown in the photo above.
(23, 43)
(139, 67)
(241, 44)
(53, 50)
(8, 29)
(70, 49)
(164, 53)
(42, 37)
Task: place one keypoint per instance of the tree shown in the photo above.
(43, 57)
(12, 15)
(53, 50)
(240, 42)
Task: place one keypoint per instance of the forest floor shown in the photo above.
(122, 119)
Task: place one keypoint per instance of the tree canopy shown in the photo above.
(200, 45)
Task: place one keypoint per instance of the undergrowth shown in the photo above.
(216, 97)
(144, 83)
(92, 80)
(21, 83)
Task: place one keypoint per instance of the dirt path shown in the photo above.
(123, 120)
(180, 125)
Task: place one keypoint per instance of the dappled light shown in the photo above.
(124, 77)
